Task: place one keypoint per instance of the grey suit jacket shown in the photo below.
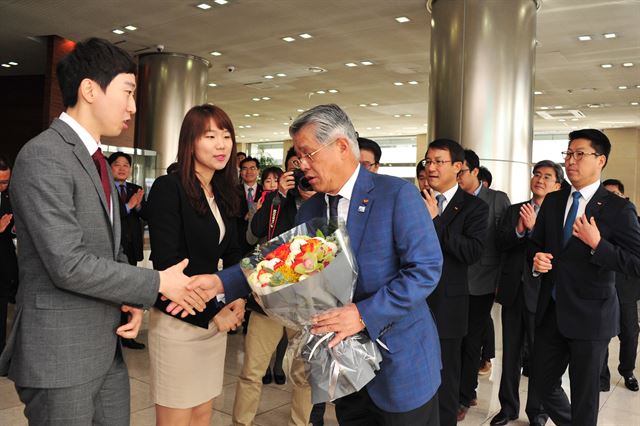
(71, 284)
(483, 275)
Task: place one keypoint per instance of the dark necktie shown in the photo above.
(249, 196)
(333, 208)
(101, 165)
(571, 217)
(123, 193)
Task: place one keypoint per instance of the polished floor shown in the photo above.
(617, 407)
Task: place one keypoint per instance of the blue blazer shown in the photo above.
(399, 265)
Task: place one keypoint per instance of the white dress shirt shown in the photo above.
(448, 195)
(586, 194)
(345, 192)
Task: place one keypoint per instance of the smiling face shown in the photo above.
(121, 169)
(249, 172)
(270, 182)
(212, 149)
(441, 177)
(544, 181)
(113, 108)
(587, 170)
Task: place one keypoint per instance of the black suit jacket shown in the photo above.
(514, 251)
(178, 232)
(587, 304)
(461, 229)
(8, 260)
(285, 220)
(242, 223)
(132, 224)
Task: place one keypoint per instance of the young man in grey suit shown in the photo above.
(63, 354)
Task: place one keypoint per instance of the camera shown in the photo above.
(301, 181)
(231, 68)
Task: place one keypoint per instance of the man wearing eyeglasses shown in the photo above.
(370, 154)
(517, 292)
(583, 235)
(251, 192)
(460, 220)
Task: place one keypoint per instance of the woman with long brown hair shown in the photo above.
(191, 215)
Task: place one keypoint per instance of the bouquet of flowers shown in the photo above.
(302, 273)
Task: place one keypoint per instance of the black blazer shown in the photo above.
(286, 218)
(461, 229)
(243, 224)
(132, 225)
(8, 259)
(514, 251)
(177, 232)
(587, 304)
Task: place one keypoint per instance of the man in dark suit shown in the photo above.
(130, 200)
(518, 294)
(8, 260)
(583, 235)
(483, 279)
(460, 220)
(628, 289)
(251, 191)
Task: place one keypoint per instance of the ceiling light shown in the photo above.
(402, 19)
(637, 86)
(333, 91)
(634, 103)
(362, 105)
(627, 64)
(288, 39)
(316, 69)
(117, 31)
(351, 64)
(320, 92)
(606, 66)
(203, 6)
(255, 99)
(584, 38)
(544, 107)
(622, 87)
(574, 119)
(130, 28)
(366, 63)
(408, 115)
(268, 77)
(247, 115)
(13, 63)
(594, 105)
(285, 124)
(398, 83)
(300, 110)
(305, 35)
(412, 82)
(255, 115)
(212, 85)
(537, 92)
(247, 126)
(281, 74)
(241, 127)
(396, 115)
(558, 107)
(377, 127)
(562, 120)
(214, 53)
(609, 35)
(6, 65)
(221, 2)
(266, 98)
(373, 104)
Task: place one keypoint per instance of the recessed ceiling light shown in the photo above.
(300, 110)
(609, 35)
(622, 87)
(537, 92)
(373, 104)
(408, 115)
(377, 127)
(333, 91)
(285, 124)
(212, 85)
(366, 63)
(247, 126)
(221, 2)
(402, 19)
(281, 74)
(398, 83)
(268, 77)
(13, 63)
(412, 82)
(130, 28)
(362, 105)
(316, 69)
(215, 53)
(594, 105)
(241, 127)
(558, 107)
(255, 115)
(255, 99)
(606, 66)
(204, 6)
(320, 92)
(544, 107)
(396, 115)
(562, 120)
(584, 38)
(305, 35)
(634, 103)
(288, 39)
(117, 31)
(266, 98)
(247, 115)
(351, 64)
(574, 119)
(627, 64)
(6, 65)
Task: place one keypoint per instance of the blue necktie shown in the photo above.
(440, 199)
(571, 217)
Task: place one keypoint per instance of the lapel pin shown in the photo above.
(361, 209)
(455, 207)
(599, 203)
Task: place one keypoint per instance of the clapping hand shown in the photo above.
(527, 218)
(135, 199)
(5, 220)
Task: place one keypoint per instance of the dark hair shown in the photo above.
(113, 157)
(95, 59)
(420, 168)
(194, 125)
(4, 164)
(485, 175)
(173, 167)
(369, 145)
(277, 171)
(473, 162)
(599, 141)
(239, 153)
(557, 168)
(248, 159)
(454, 148)
(614, 182)
(290, 153)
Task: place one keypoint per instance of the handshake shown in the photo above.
(188, 294)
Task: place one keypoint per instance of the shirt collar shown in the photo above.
(254, 186)
(449, 193)
(587, 192)
(477, 191)
(347, 189)
(88, 141)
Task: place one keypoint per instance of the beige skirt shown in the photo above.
(186, 362)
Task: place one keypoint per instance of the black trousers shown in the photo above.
(518, 326)
(552, 353)
(358, 409)
(628, 343)
(479, 312)
(449, 390)
(4, 301)
(488, 342)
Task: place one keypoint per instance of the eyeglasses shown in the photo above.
(309, 156)
(367, 164)
(437, 163)
(546, 178)
(578, 155)
(252, 168)
(461, 172)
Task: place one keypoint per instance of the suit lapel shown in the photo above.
(559, 216)
(596, 203)
(453, 207)
(360, 206)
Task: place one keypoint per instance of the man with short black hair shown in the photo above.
(583, 235)
(370, 154)
(250, 191)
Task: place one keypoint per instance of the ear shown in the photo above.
(88, 90)
(602, 161)
(474, 172)
(343, 145)
(457, 166)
